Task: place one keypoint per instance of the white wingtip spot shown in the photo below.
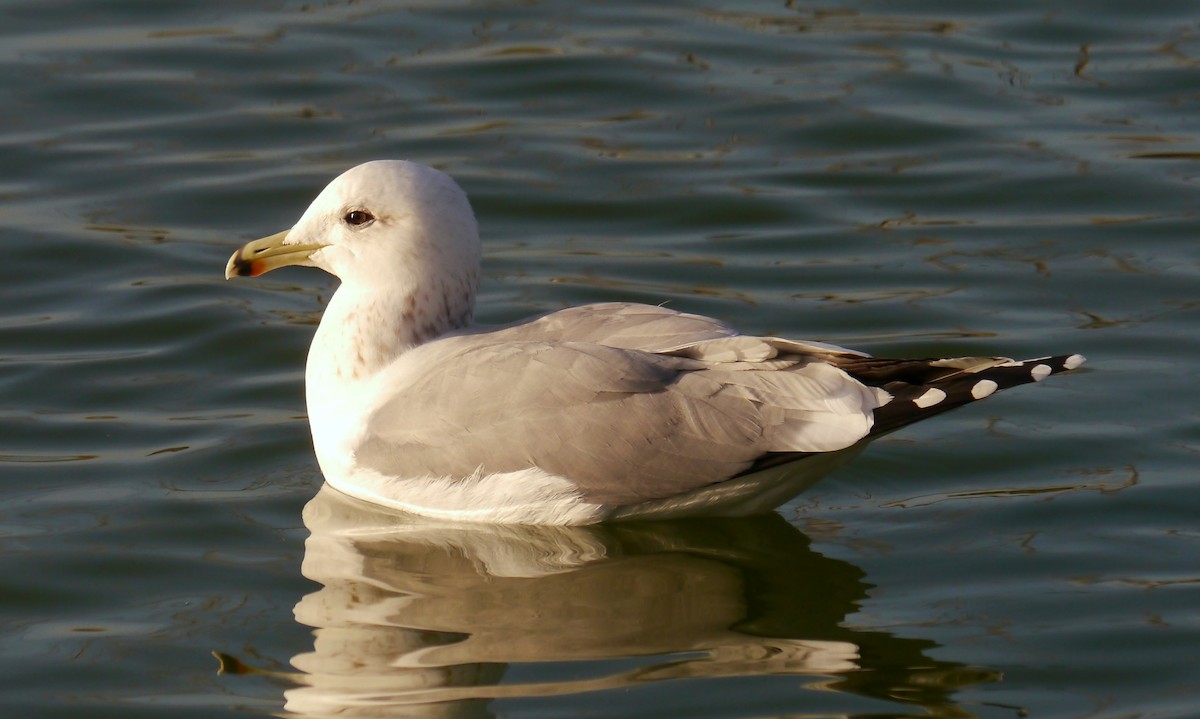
(932, 396)
(1040, 372)
(983, 388)
(1074, 361)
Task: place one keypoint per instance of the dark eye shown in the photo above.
(358, 217)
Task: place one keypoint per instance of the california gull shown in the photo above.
(603, 411)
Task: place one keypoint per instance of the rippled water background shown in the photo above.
(918, 178)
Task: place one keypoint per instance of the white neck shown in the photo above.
(363, 331)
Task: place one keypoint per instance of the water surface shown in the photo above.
(925, 178)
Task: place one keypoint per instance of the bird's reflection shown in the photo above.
(419, 618)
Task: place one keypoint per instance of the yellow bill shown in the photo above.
(261, 256)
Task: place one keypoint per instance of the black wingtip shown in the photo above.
(914, 402)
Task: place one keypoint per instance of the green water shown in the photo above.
(905, 178)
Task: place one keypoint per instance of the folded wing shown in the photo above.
(623, 425)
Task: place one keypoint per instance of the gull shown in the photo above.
(598, 412)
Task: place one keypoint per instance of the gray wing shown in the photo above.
(650, 328)
(616, 324)
(623, 425)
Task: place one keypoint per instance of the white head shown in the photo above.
(386, 226)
